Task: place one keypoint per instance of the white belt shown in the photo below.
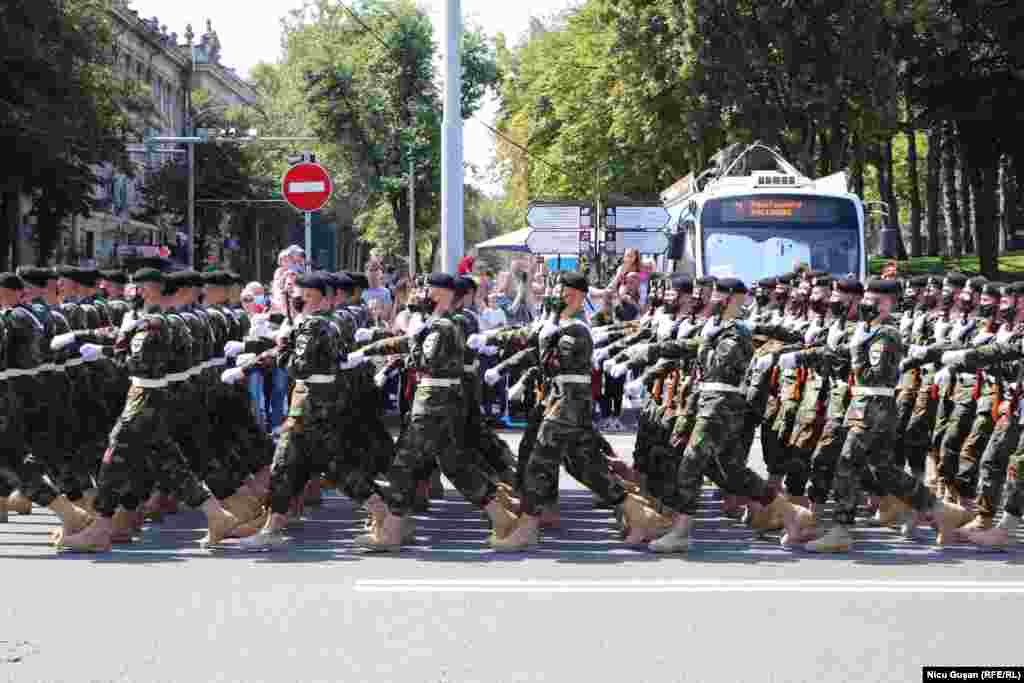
(49, 367)
(873, 391)
(19, 372)
(149, 383)
(217, 362)
(439, 382)
(574, 379)
(178, 376)
(74, 362)
(318, 379)
(192, 372)
(720, 386)
(4, 374)
(471, 368)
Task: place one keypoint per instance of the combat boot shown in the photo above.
(731, 507)
(503, 520)
(947, 519)
(891, 512)
(999, 537)
(311, 495)
(797, 521)
(19, 503)
(506, 496)
(762, 518)
(436, 486)
(96, 538)
(153, 509)
(677, 540)
(123, 527)
(251, 528)
(550, 517)
(642, 520)
(3, 510)
(244, 508)
(421, 499)
(73, 518)
(265, 538)
(836, 540)
(388, 538)
(525, 536)
(219, 523)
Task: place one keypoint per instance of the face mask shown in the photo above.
(260, 300)
(1006, 314)
(837, 308)
(718, 307)
(295, 269)
(137, 301)
(298, 304)
(986, 310)
(762, 299)
(947, 299)
(966, 305)
(868, 311)
(819, 306)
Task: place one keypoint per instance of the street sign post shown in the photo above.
(553, 242)
(307, 186)
(559, 216)
(644, 241)
(637, 217)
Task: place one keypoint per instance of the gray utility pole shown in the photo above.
(412, 218)
(452, 244)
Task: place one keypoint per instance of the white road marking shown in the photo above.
(683, 586)
(299, 188)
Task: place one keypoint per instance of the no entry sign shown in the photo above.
(306, 186)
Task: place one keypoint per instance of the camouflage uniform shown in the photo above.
(436, 420)
(875, 356)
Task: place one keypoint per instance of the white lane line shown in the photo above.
(298, 188)
(684, 586)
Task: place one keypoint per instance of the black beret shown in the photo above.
(814, 274)
(442, 280)
(730, 285)
(66, 271)
(234, 278)
(976, 284)
(311, 281)
(682, 283)
(955, 280)
(786, 279)
(993, 288)
(83, 276)
(918, 282)
(217, 278)
(172, 283)
(933, 281)
(849, 285)
(464, 284)
(116, 276)
(822, 281)
(147, 275)
(768, 282)
(705, 281)
(575, 280)
(1014, 289)
(11, 281)
(36, 277)
(343, 282)
(361, 281)
(880, 286)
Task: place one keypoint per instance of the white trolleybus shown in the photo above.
(756, 216)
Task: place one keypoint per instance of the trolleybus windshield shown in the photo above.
(756, 236)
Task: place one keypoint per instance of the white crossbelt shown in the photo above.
(217, 362)
(49, 367)
(720, 386)
(318, 379)
(74, 362)
(574, 379)
(873, 391)
(178, 377)
(19, 372)
(149, 383)
(439, 382)
(471, 368)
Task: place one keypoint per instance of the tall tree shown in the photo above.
(916, 246)
(932, 184)
(950, 203)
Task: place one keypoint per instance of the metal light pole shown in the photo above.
(452, 245)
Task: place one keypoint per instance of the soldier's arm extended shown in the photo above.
(659, 370)
(633, 339)
(145, 358)
(528, 357)
(983, 356)
(779, 332)
(391, 346)
(509, 336)
(310, 355)
(933, 353)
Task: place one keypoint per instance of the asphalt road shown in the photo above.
(581, 608)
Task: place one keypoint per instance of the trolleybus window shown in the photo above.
(757, 236)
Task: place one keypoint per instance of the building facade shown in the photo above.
(167, 70)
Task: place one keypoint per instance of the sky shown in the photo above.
(249, 33)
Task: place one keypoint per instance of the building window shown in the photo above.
(90, 244)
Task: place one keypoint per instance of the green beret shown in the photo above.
(11, 281)
(880, 286)
(147, 275)
(849, 285)
(116, 276)
(577, 281)
(217, 278)
(977, 284)
(36, 277)
(956, 280)
(730, 285)
(312, 281)
(682, 283)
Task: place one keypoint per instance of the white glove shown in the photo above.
(943, 376)
(356, 358)
(619, 370)
(954, 358)
(685, 328)
(232, 376)
(489, 350)
(549, 329)
(476, 341)
(787, 361)
(941, 331)
(917, 351)
(233, 348)
(381, 378)
(90, 352)
(635, 388)
(282, 333)
(492, 376)
(245, 359)
(1003, 335)
(608, 364)
(517, 391)
(710, 328)
(764, 362)
(415, 326)
(363, 335)
(129, 325)
(600, 338)
(835, 335)
(601, 355)
(62, 341)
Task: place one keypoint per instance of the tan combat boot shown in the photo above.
(123, 527)
(96, 538)
(219, 522)
(677, 540)
(73, 518)
(244, 508)
(388, 538)
(836, 540)
(947, 519)
(506, 496)
(642, 520)
(525, 536)
(550, 517)
(19, 503)
(503, 520)
(797, 521)
(891, 512)
(999, 537)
